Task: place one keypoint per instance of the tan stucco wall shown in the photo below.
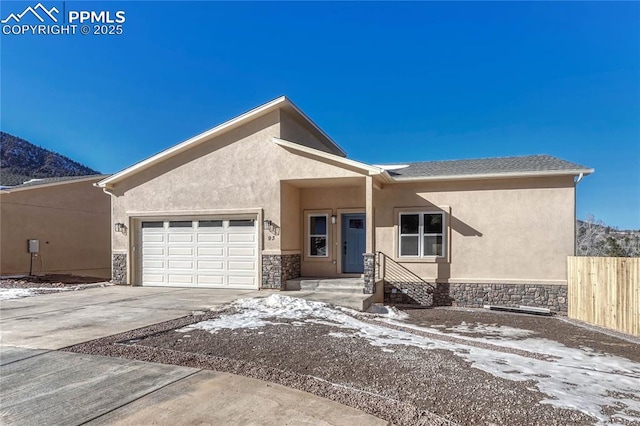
(516, 230)
(240, 170)
(71, 220)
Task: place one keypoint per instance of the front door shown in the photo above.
(353, 243)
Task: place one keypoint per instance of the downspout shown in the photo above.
(112, 196)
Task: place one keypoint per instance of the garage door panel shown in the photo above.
(181, 279)
(210, 265)
(242, 266)
(210, 238)
(209, 253)
(217, 280)
(241, 281)
(148, 237)
(180, 238)
(153, 264)
(153, 278)
(181, 251)
(153, 251)
(186, 265)
(241, 238)
(242, 252)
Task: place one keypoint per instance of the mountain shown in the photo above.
(21, 161)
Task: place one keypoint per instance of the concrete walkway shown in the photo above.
(42, 386)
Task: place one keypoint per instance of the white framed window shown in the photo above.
(421, 234)
(317, 239)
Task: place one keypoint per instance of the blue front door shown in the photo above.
(353, 243)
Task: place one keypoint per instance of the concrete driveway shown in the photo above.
(40, 385)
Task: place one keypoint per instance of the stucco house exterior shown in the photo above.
(268, 197)
(67, 216)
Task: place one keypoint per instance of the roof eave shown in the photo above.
(365, 168)
(23, 187)
(577, 172)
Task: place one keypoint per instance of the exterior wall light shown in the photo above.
(270, 226)
(120, 227)
(333, 219)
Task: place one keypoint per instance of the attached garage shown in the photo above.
(215, 253)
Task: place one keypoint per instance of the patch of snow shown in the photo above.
(491, 331)
(387, 311)
(15, 293)
(578, 379)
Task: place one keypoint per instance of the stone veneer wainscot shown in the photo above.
(475, 295)
(119, 268)
(278, 268)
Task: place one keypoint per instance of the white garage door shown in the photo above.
(200, 253)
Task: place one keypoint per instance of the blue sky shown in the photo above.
(390, 82)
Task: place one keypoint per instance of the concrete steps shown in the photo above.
(337, 285)
(346, 292)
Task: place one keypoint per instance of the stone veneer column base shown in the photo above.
(119, 268)
(476, 295)
(278, 268)
(369, 273)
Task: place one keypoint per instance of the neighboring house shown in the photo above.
(69, 218)
(268, 196)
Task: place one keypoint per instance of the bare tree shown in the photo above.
(595, 238)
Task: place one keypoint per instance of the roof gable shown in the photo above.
(279, 103)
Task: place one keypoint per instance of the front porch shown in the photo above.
(326, 232)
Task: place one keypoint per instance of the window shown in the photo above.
(240, 222)
(209, 224)
(153, 224)
(180, 224)
(421, 234)
(318, 235)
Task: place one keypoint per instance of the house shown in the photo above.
(67, 220)
(268, 197)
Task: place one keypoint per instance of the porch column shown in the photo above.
(369, 255)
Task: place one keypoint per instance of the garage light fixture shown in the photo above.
(120, 227)
(270, 226)
(334, 218)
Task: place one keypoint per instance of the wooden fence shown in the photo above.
(605, 291)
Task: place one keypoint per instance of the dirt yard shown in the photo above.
(435, 366)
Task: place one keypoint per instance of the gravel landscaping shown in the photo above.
(434, 366)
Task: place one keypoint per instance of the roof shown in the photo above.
(279, 103)
(51, 181)
(532, 165)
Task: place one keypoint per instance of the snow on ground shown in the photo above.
(19, 293)
(490, 331)
(16, 293)
(580, 379)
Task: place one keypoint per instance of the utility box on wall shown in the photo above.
(33, 246)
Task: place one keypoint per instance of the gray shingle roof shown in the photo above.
(487, 166)
(45, 181)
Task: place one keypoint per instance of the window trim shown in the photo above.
(309, 235)
(422, 234)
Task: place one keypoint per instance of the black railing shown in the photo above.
(389, 270)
